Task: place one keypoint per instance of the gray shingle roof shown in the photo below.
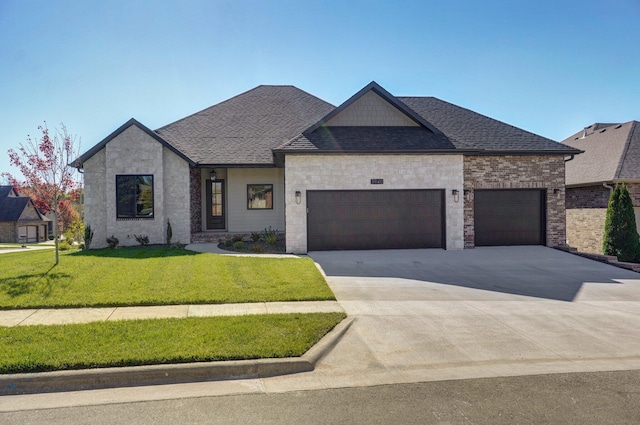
(370, 139)
(444, 126)
(11, 207)
(244, 129)
(470, 130)
(611, 152)
(247, 129)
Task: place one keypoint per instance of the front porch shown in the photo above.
(227, 202)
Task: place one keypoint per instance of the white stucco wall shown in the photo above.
(135, 152)
(332, 172)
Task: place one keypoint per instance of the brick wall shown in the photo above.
(585, 229)
(586, 213)
(587, 197)
(517, 172)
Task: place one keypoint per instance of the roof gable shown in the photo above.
(372, 106)
(8, 191)
(14, 207)
(79, 162)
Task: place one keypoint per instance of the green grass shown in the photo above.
(153, 276)
(160, 341)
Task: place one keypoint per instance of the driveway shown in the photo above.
(424, 315)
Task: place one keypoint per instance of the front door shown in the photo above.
(215, 204)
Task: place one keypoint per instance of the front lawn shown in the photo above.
(145, 342)
(153, 276)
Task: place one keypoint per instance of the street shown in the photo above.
(579, 398)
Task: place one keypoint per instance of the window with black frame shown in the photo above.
(134, 196)
(260, 196)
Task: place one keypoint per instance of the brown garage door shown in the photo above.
(509, 217)
(375, 219)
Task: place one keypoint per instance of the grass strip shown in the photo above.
(153, 276)
(160, 341)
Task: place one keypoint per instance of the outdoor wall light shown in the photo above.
(556, 192)
(456, 195)
(213, 174)
(467, 194)
(298, 197)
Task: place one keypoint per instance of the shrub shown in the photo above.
(68, 236)
(64, 246)
(88, 236)
(237, 238)
(620, 233)
(169, 232)
(112, 241)
(142, 239)
(255, 236)
(270, 236)
(238, 245)
(257, 248)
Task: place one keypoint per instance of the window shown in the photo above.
(134, 196)
(260, 196)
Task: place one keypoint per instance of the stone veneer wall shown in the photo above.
(195, 188)
(517, 172)
(333, 172)
(135, 152)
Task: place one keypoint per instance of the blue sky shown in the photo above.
(551, 67)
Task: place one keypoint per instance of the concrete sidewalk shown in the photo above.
(86, 315)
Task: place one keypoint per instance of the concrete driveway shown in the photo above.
(424, 315)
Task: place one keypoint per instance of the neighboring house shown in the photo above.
(611, 155)
(20, 220)
(377, 172)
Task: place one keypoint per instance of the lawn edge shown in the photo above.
(91, 379)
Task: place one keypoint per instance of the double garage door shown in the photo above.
(407, 219)
(375, 219)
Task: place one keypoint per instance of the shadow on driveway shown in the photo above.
(533, 271)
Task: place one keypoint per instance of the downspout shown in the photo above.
(570, 158)
(608, 186)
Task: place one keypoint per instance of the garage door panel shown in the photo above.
(377, 219)
(509, 217)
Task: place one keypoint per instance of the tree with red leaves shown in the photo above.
(48, 179)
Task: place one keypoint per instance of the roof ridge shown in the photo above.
(233, 98)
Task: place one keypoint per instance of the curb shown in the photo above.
(93, 379)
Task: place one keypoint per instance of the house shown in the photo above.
(611, 155)
(378, 171)
(20, 220)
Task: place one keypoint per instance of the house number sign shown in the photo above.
(377, 181)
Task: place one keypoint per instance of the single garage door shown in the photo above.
(375, 219)
(509, 217)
